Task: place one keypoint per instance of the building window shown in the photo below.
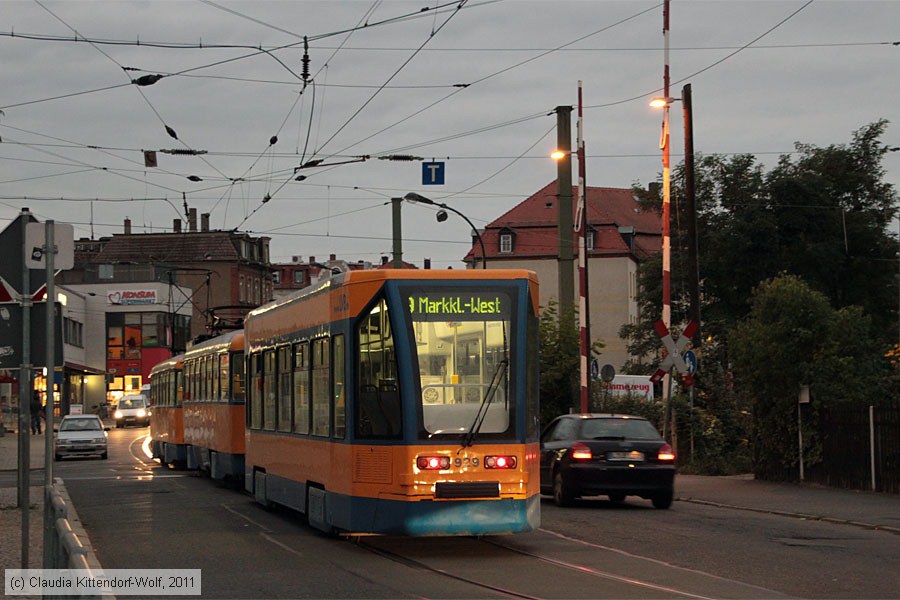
(276, 277)
(506, 243)
(590, 239)
(73, 332)
(298, 277)
(241, 289)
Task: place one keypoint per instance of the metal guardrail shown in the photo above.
(66, 551)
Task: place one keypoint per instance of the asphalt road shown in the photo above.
(140, 515)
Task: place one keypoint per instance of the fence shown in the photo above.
(848, 437)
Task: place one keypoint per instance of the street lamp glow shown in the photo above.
(658, 103)
(558, 155)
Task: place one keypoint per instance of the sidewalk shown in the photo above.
(865, 509)
(9, 451)
(10, 516)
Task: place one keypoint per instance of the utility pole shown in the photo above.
(398, 238)
(690, 203)
(565, 222)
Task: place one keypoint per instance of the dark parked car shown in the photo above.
(612, 455)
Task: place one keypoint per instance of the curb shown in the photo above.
(794, 515)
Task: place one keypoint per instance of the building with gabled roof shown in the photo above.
(620, 235)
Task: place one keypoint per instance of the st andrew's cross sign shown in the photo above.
(674, 348)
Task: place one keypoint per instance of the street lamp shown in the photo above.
(442, 216)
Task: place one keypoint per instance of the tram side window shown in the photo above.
(269, 390)
(188, 379)
(256, 404)
(377, 411)
(321, 388)
(338, 374)
(209, 392)
(301, 387)
(284, 388)
(224, 377)
(237, 378)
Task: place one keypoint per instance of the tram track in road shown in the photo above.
(550, 565)
(546, 575)
(417, 564)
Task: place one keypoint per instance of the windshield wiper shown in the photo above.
(609, 437)
(485, 403)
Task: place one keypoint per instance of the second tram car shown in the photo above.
(214, 406)
(167, 413)
(398, 402)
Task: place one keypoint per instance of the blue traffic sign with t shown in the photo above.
(432, 173)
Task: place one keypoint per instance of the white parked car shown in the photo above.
(81, 435)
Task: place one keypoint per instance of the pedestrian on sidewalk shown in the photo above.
(36, 413)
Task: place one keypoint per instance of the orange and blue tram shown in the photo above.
(214, 437)
(398, 402)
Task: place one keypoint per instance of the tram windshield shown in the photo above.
(462, 349)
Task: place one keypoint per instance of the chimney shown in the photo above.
(127, 226)
(332, 257)
(312, 259)
(204, 222)
(427, 264)
(384, 260)
(192, 219)
(176, 225)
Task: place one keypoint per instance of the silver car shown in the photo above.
(81, 435)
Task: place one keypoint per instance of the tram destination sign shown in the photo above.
(458, 306)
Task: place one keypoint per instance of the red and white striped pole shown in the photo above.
(581, 223)
(664, 145)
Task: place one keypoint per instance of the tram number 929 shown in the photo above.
(466, 462)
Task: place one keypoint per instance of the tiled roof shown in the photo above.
(168, 247)
(534, 220)
(606, 206)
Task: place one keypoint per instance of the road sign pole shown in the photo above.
(25, 394)
(50, 379)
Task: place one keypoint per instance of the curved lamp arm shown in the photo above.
(414, 197)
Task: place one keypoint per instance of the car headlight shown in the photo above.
(142, 413)
(100, 440)
(117, 414)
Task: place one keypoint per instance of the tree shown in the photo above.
(559, 362)
(793, 337)
(822, 215)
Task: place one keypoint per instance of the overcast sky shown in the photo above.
(475, 87)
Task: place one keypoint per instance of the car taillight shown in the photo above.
(500, 462)
(581, 451)
(432, 463)
(666, 453)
